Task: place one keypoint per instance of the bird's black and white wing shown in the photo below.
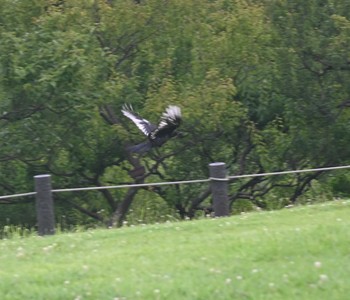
(169, 121)
(144, 125)
(172, 115)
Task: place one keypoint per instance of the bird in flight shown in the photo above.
(157, 135)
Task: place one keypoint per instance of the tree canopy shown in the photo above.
(263, 86)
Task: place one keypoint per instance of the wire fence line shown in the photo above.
(130, 185)
(179, 182)
(17, 195)
(290, 172)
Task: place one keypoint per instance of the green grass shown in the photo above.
(298, 253)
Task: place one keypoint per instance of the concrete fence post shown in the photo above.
(219, 189)
(44, 205)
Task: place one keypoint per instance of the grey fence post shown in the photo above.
(219, 189)
(44, 205)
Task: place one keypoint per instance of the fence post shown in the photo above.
(44, 205)
(219, 189)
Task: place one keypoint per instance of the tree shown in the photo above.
(314, 69)
(259, 89)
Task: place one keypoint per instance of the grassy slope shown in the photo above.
(300, 253)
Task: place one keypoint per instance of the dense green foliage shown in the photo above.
(298, 253)
(263, 86)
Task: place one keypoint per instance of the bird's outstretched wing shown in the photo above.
(144, 125)
(169, 121)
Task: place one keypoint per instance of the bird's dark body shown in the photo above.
(157, 135)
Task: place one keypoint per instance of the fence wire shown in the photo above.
(289, 172)
(136, 185)
(17, 195)
(179, 182)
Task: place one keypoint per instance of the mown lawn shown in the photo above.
(298, 253)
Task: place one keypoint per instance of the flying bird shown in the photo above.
(157, 135)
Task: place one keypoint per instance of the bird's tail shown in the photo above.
(140, 148)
